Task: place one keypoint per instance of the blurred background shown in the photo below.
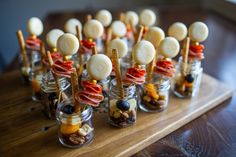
(14, 15)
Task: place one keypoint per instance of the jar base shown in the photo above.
(144, 109)
(90, 140)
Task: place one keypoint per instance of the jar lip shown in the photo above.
(125, 85)
(189, 61)
(49, 82)
(85, 114)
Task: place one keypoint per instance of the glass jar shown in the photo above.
(103, 107)
(187, 85)
(51, 94)
(122, 113)
(154, 97)
(25, 73)
(99, 45)
(36, 80)
(74, 129)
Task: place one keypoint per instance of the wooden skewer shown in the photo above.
(122, 17)
(94, 50)
(42, 50)
(150, 69)
(78, 33)
(51, 63)
(139, 35)
(43, 55)
(81, 64)
(108, 39)
(75, 88)
(132, 26)
(88, 17)
(116, 63)
(21, 40)
(185, 55)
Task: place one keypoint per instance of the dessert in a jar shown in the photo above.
(36, 80)
(75, 129)
(189, 70)
(23, 58)
(35, 28)
(188, 86)
(154, 95)
(122, 112)
(99, 68)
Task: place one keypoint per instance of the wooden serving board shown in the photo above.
(26, 132)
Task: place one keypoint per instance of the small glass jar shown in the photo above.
(74, 129)
(50, 93)
(99, 45)
(122, 115)
(36, 80)
(130, 43)
(154, 97)
(103, 107)
(25, 73)
(187, 85)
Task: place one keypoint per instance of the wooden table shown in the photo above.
(212, 134)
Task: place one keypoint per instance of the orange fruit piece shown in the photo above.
(151, 90)
(35, 85)
(68, 128)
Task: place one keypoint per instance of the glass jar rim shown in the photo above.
(84, 115)
(50, 87)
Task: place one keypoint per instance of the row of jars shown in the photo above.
(119, 114)
(123, 114)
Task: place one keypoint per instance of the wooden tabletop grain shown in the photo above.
(214, 133)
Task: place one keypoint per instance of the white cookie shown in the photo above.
(147, 18)
(118, 28)
(169, 47)
(143, 52)
(120, 45)
(155, 35)
(53, 36)
(132, 17)
(198, 31)
(68, 44)
(105, 17)
(93, 29)
(99, 66)
(178, 30)
(70, 26)
(35, 26)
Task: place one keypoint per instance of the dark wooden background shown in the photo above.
(214, 133)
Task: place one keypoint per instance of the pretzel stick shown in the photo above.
(88, 17)
(94, 50)
(132, 26)
(185, 55)
(122, 17)
(108, 39)
(81, 66)
(150, 69)
(21, 41)
(51, 63)
(75, 88)
(139, 35)
(116, 63)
